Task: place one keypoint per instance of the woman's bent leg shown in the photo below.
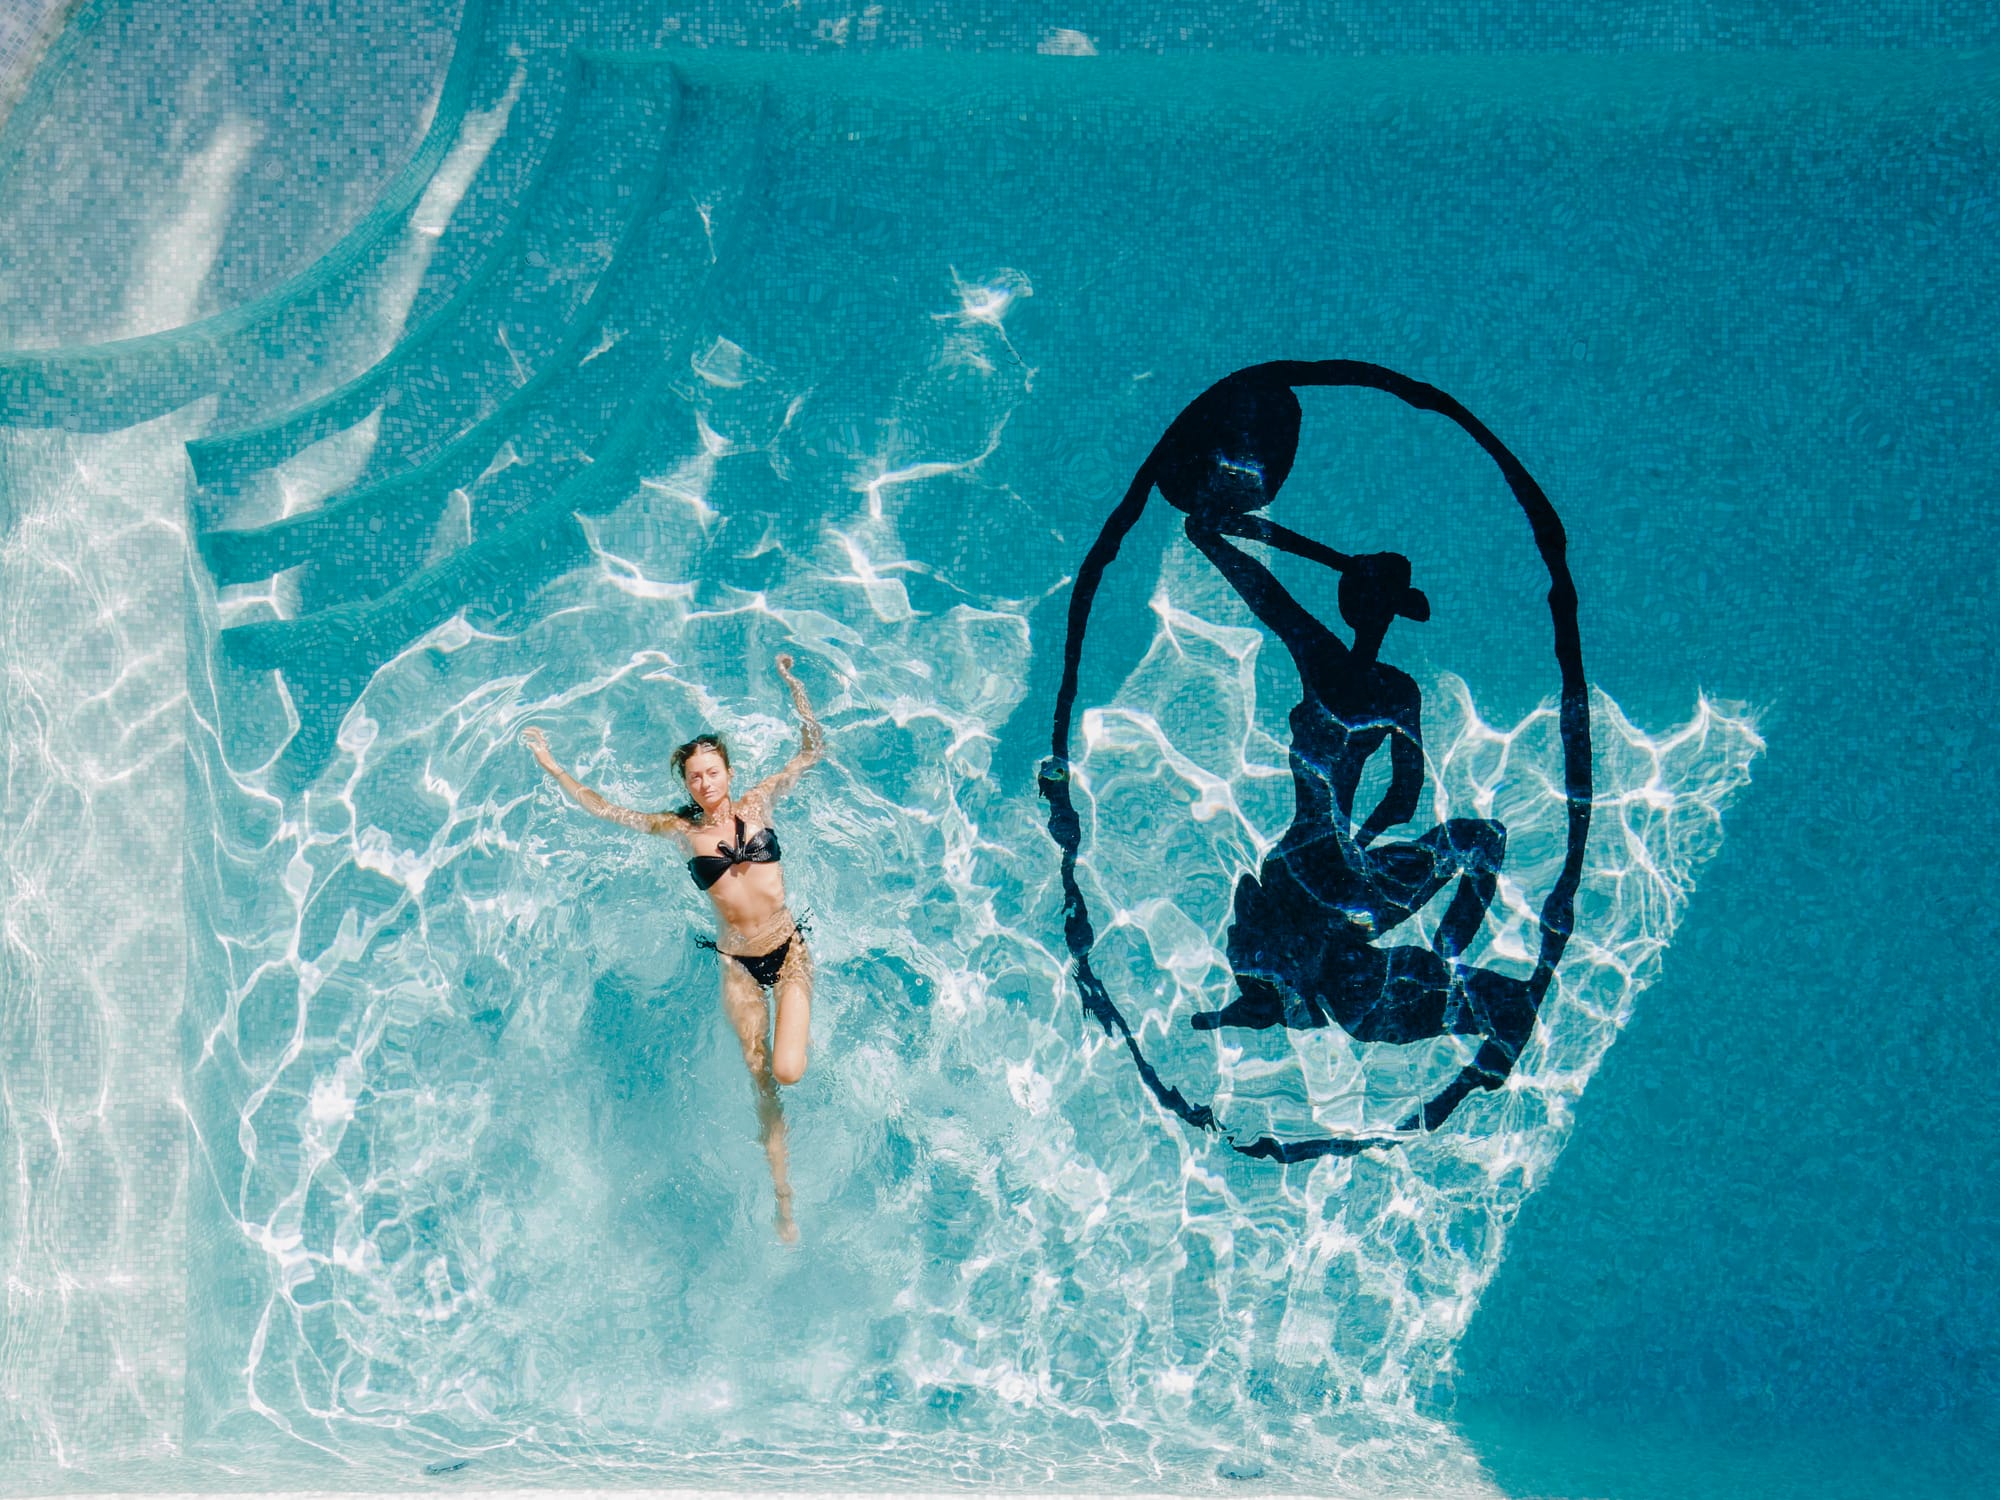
(794, 990)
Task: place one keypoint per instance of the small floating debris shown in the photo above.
(446, 1465)
(1240, 1468)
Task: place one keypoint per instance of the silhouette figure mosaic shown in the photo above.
(1306, 943)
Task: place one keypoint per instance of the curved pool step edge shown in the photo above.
(247, 554)
(328, 657)
(106, 386)
(220, 459)
(584, 414)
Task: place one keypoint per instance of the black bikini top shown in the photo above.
(761, 848)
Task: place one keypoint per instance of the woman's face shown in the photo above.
(707, 779)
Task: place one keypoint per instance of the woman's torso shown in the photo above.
(748, 892)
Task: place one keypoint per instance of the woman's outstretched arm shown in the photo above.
(812, 739)
(594, 803)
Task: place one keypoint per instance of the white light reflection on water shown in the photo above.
(500, 1148)
(93, 558)
(476, 1172)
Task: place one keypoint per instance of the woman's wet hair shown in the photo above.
(698, 743)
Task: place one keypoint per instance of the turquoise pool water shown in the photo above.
(371, 1121)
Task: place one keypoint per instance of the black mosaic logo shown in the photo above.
(1311, 937)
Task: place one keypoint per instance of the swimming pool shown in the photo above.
(371, 1121)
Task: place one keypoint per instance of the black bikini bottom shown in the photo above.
(765, 967)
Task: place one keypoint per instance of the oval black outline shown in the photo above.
(1558, 908)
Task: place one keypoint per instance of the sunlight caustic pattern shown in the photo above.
(458, 1032)
(455, 1158)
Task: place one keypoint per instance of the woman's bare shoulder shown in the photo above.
(672, 823)
(757, 805)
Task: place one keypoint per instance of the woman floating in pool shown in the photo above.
(735, 859)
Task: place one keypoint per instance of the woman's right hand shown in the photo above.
(537, 744)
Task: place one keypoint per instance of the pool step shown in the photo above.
(282, 343)
(507, 320)
(492, 516)
(370, 538)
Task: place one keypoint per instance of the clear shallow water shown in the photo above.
(462, 1157)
